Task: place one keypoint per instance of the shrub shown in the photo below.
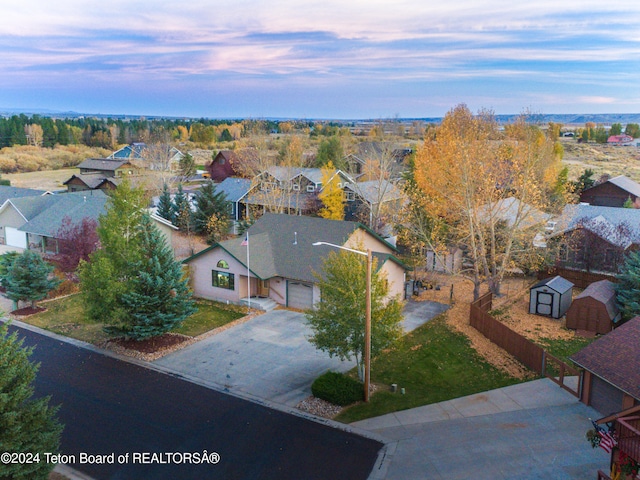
(337, 388)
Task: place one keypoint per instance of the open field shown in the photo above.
(42, 180)
(600, 158)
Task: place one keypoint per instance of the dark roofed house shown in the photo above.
(611, 381)
(222, 166)
(613, 193)
(279, 261)
(595, 309)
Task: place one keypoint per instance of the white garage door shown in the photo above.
(299, 295)
(16, 238)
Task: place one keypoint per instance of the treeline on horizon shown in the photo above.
(108, 133)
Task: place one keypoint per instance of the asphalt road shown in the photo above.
(113, 407)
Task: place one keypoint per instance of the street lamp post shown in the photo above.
(367, 321)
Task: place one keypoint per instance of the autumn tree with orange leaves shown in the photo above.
(491, 188)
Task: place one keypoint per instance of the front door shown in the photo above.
(263, 288)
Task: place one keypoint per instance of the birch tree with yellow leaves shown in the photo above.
(331, 195)
(491, 188)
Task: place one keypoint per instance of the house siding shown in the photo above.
(362, 239)
(200, 272)
(607, 195)
(9, 218)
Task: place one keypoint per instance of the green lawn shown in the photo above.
(66, 317)
(432, 364)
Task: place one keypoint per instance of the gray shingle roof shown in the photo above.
(234, 188)
(372, 191)
(102, 164)
(281, 245)
(7, 192)
(48, 218)
(620, 226)
(512, 210)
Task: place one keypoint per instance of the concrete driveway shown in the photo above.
(268, 357)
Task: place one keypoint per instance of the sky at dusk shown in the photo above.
(342, 59)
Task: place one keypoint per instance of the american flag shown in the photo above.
(607, 440)
(245, 242)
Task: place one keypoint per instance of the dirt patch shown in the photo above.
(601, 158)
(27, 311)
(149, 349)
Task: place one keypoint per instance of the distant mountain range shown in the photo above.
(564, 118)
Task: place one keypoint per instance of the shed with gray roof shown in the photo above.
(550, 297)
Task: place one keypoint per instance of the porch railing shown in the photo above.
(628, 429)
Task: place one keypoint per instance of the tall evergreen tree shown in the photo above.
(165, 205)
(27, 278)
(159, 298)
(182, 210)
(628, 287)
(27, 425)
(208, 203)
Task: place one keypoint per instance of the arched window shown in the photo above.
(222, 264)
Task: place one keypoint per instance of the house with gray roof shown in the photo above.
(594, 238)
(277, 260)
(235, 189)
(32, 222)
(8, 216)
(615, 192)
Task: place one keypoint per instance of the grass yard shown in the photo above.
(66, 317)
(432, 364)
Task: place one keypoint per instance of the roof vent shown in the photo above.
(295, 238)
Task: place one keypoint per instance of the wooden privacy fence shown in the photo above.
(531, 355)
(579, 278)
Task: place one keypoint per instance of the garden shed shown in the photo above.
(595, 309)
(550, 297)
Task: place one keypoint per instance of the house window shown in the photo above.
(580, 254)
(310, 188)
(222, 280)
(563, 253)
(296, 187)
(222, 264)
(349, 196)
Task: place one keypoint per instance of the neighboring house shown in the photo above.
(594, 238)
(33, 222)
(108, 168)
(278, 261)
(235, 190)
(595, 309)
(611, 380)
(12, 219)
(232, 163)
(80, 182)
(136, 151)
(613, 193)
(369, 199)
(370, 156)
(292, 190)
(623, 140)
(223, 166)
(166, 228)
(514, 213)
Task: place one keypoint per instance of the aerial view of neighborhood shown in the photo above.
(386, 241)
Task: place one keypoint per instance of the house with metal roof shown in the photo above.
(277, 260)
(615, 192)
(594, 238)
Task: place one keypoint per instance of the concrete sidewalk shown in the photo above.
(530, 430)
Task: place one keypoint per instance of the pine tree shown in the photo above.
(182, 210)
(628, 287)
(165, 205)
(208, 203)
(159, 298)
(26, 425)
(27, 278)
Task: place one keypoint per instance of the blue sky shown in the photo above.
(322, 59)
